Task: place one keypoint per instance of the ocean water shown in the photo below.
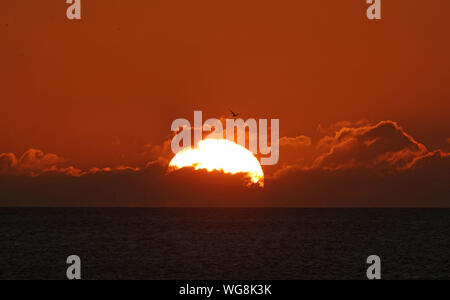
(223, 243)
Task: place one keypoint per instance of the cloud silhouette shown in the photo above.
(34, 162)
(158, 154)
(346, 164)
(384, 145)
(7, 162)
(295, 142)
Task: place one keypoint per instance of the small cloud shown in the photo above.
(8, 161)
(335, 127)
(159, 154)
(296, 142)
(35, 162)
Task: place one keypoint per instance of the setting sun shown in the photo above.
(221, 155)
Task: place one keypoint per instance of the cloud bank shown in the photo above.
(346, 164)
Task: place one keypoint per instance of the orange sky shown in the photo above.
(96, 91)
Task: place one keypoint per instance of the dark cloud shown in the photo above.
(436, 159)
(424, 185)
(357, 164)
(7, 162)
(295, 152)
(295, 142)
(384, 145)
(158, 154)
(33, 163)
(37, 163)
(335, 127)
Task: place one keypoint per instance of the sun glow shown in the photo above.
(222, 155)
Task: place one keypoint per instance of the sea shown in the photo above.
(224, 243)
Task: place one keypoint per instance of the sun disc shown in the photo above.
(220, 155)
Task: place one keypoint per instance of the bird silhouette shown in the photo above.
(234, 115)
